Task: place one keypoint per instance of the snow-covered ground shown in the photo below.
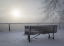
(19, 39)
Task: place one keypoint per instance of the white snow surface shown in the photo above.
(19, 39)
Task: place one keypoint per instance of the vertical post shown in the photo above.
(9, 26)
(59, 25)
(29, 33)
(48, 36)
(53, 31)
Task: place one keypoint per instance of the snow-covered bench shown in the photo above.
(43, 29)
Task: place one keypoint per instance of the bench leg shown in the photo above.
(29, 38)
(49, 36)
(53, 35)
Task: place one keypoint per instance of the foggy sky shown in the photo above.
(28, 9)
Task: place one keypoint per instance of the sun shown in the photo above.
(15, 13)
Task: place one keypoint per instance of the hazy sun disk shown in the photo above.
(15, 13)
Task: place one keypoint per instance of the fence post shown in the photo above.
(59, 25)
(9, 26)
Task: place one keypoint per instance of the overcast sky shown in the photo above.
(28, 9)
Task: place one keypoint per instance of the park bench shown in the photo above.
(43, 29)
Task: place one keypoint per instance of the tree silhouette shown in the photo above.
(52, 7)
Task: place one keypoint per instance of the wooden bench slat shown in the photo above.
(41, 29)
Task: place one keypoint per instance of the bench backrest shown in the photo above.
(40, 29)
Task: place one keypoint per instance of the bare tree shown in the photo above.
(61, 14)
(51, 7)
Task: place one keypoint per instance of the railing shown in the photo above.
(9, 24)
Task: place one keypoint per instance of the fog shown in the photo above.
(28, 9)
(31, 11)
